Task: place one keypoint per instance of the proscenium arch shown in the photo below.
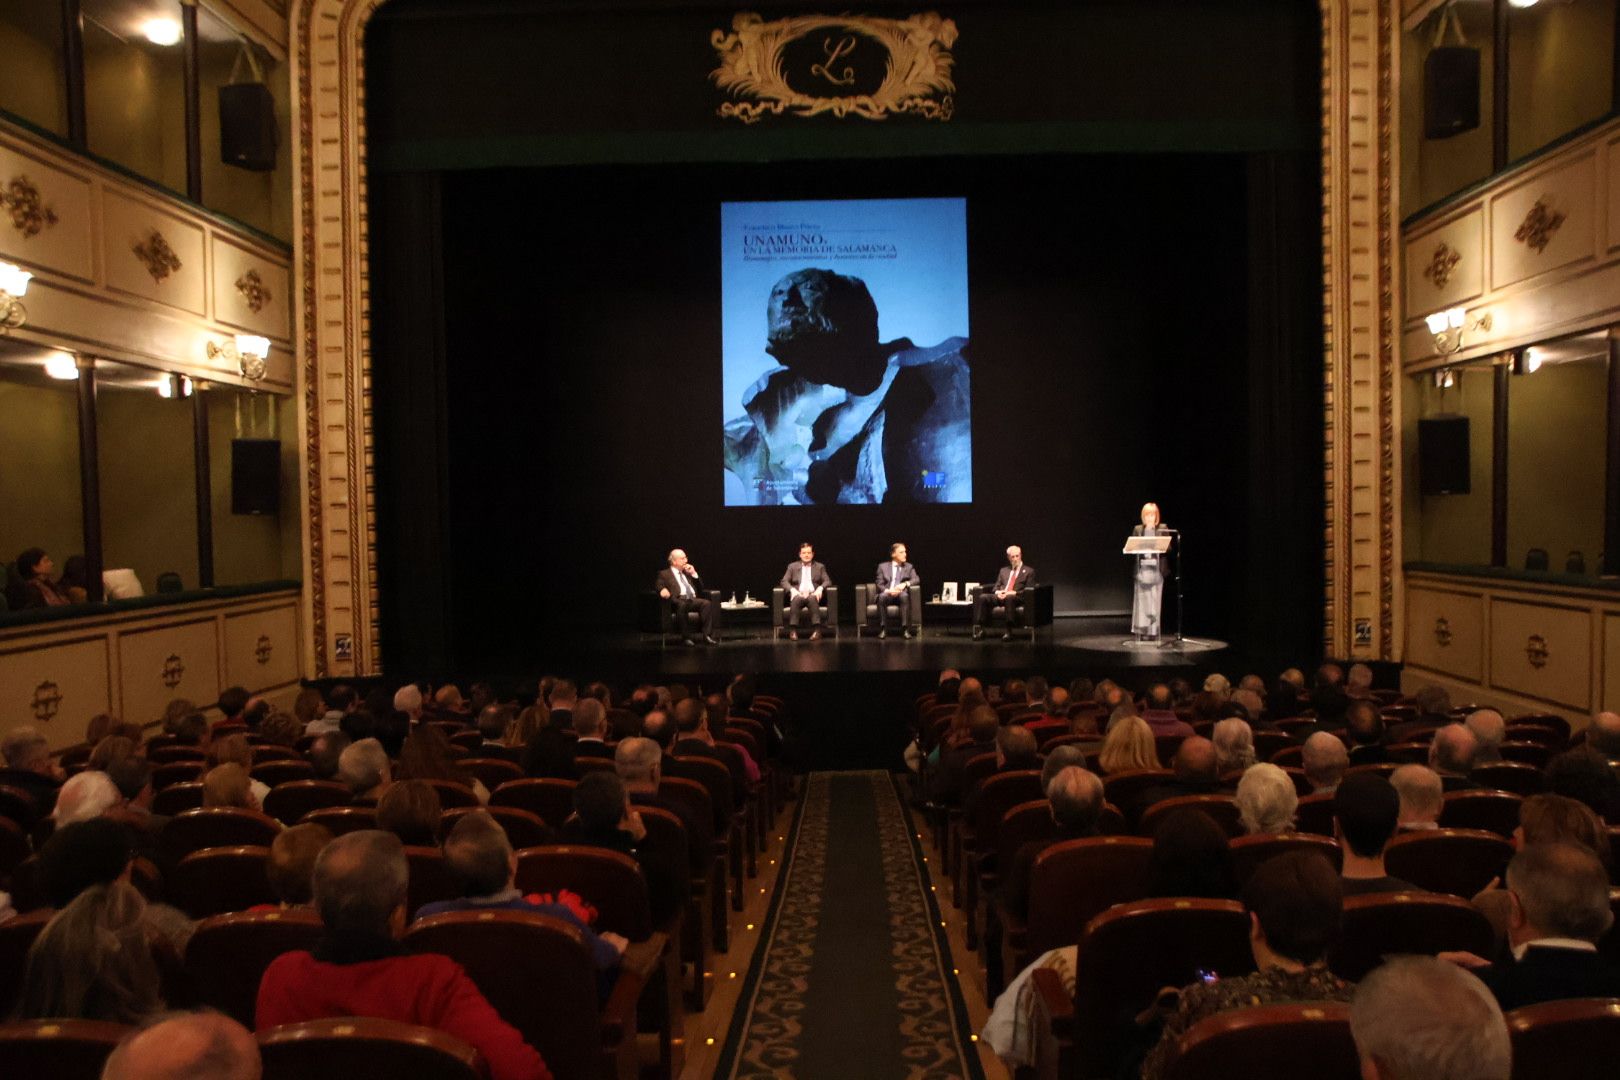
(1360, 397)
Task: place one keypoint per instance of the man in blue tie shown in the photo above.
(681, 585)
(899, 589)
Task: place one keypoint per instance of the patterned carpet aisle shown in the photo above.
(852, 978)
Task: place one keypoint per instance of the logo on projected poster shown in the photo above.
(842, 65)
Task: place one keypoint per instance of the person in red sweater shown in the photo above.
(360, 969)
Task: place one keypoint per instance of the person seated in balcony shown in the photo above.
(75, 581)
(35, 589)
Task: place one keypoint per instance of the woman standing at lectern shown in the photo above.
(1149, 591)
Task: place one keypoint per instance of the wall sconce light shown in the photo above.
(1449, 326)
(1446, 378)
(1525, 361)
(62, 366)
(174, 386)
(248, 352)
(13, 285)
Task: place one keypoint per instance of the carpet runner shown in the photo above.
(852, 977)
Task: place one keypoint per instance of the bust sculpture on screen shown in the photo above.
(846, 418)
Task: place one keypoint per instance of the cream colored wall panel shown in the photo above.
(1445, 631)
(261, 648)
(1611, 662)
(1542, 651)
(176, 661)
(154, 254)
(1611, 157)
(1445, 266)
(251, 293)
(56, 688)
(1545, 222)
(47, 222)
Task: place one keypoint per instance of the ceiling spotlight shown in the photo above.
(61, 366)
(162, 31)
(1522, 3)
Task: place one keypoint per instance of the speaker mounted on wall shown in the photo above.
(1450, 82)
(256, 476)
(247, 118)
(1443, 455)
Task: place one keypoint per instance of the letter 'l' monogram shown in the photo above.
(835, 53)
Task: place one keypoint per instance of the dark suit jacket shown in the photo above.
(908, 575)
(666, 580)
(729, 756)
(818, 576)
(1551, 974)
(550, 753)
(592, 748)
(945, 784)
(699, 833)
(1025, 578)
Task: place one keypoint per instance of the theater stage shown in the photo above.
(850, 697)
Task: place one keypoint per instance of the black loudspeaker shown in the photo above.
(1450, 91)
(1443, 455)
(247, 126)
(255, 476)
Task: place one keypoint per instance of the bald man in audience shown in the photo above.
(1358, 682)
(1324, 759)
(197, 1046)
(1365, 726)
(1490, 730)
(1420, 1018)
(1422, 796)
(1196, 773)
(1604, 734)
(1451, 754)
(1075, 797)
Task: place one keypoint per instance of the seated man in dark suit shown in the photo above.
(1076, 798)
(680, 585)
(804, 580)
(493, 720)
(639, 763)
(1451, 755)
(590, 724)
(30, 768)
(1560, 908)
(1011, 580)
(898, 589)
(1196, 773)
(604, 817)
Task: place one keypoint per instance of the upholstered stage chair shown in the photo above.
(1032, 606)
(825, 614)
(867, 620)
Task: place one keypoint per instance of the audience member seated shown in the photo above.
(84, 796)
(479, 855)
(236, 749)
(1160, 713)
(1365, 725)
(590, 724)
(426, 756)
(410, 809)
(341, 700)
(1128, 746)
(1076, 801)
(1604, 735)
(131, 774)
(281, 729)
(326, 752)
(549, 751)
(1233, 740)
(1324, 759)
(364, 768)
(1295, 907)
(1266, 800)
(98, 852)
(639, 763)
(1197, 772)
(1251, 702)
(1434, 710)
(185, 724)
(34, 588)
(1545, 819)
(1283, 702)
(1358, 682)
(360, 969)
(1419, 1018)
(604, 817)
(1191, 857)
(1451, 756)
(229, 785)
(493, 722)
(695, 740)
(308, 706)
(947, 780)
(1366, 810)
(1584, 774)
(30, 767)
(1559, 896)
(564, 696)
(1422, 797)
(197, 1046)
(110, 749)
(291, 865)
(1054, 711)
(1490, 730)
(93, 961)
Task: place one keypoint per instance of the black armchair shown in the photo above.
(867, 616)
(667, 625)
(826, 613)
(1033, 608)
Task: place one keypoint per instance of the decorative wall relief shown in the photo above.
(47, 699)
(1537, 229)
(173, 671)
(845, 65)
(157, 256)
(263, 648)
(1442, 264)
(29, 214)
(253, 290)
(1442, 631)
(1536, 651)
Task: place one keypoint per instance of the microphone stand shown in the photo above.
(1181, 613)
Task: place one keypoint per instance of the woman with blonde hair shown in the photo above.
(229, 785)
(236, 750)
(525, 724)
(1128, 746)
(93, 961)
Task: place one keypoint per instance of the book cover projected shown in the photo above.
(845, 352)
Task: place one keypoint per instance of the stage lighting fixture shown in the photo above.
(13, 286)
(248, 352)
